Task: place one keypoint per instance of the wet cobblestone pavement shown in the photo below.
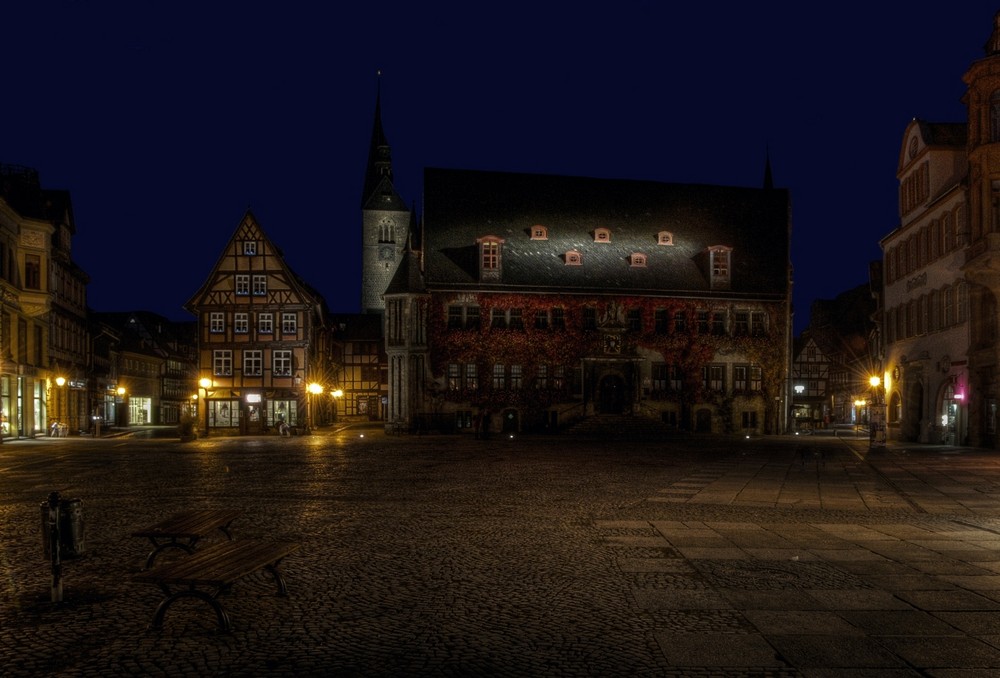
(446, 556)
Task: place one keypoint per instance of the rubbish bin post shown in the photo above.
(54, 539)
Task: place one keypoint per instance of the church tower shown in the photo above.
(385, 220)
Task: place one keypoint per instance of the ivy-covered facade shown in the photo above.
(540, 300)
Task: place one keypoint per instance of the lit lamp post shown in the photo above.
(120, 402)
(336, 394)
(858, 405)
(60, 404)
(312, 389)
(876, 424)
(204, 384)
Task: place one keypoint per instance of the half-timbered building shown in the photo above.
(261, 339)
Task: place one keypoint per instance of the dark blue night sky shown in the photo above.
(167, 120)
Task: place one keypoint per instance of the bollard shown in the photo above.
(52, 508)
(62, 536)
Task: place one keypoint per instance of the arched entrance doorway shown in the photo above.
(611, 394)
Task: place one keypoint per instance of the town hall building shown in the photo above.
(533, 301)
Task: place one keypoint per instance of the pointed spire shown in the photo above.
(993, 44)
(379, 153)
(768, 179)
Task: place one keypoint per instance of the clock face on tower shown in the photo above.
(386, 253)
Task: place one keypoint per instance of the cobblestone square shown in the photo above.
(448, 556)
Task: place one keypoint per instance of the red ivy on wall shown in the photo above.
(531, 346)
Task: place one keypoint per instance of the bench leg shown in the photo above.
(278, 579)
(151, 558)
(223, 617)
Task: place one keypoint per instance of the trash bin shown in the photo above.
(71, 534)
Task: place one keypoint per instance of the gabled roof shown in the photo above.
(407, 279)
(148, 333)
(249, 229)
(462, 206)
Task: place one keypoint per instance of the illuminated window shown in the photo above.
(222, 363)
(282, 363)
(713, 377)
(664, 238)
(637, 259)
(216, 322)
(539, 233)
(490, 257)
(259, 285)
(242, 284)
(253, 363)
(241, 323)
(265, 323)
(719, 266)
(573, 258)
(602, 235)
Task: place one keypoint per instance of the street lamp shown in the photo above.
(123, 415)
(876, 425)
(60, 406)
(336, 394)
(312, 389)
(858, 404)
(204, 384)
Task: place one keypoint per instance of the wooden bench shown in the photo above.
(216, 567)
(190, 526)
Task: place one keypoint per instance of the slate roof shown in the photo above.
(944, 133)
(461, 206)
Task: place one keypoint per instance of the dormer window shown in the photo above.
(573, 258)
(490, 250)
(719, 266)
(539, 233)
(637, 259)
(664, 238)
(602, 235)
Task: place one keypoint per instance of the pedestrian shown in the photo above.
(54, 431)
